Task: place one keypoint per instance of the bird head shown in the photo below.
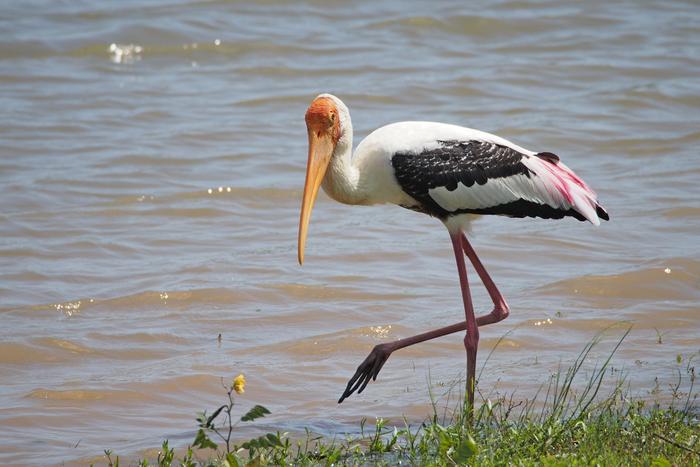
(323, 129)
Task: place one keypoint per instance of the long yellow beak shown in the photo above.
(321, 147)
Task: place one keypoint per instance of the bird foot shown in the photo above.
(368, 369)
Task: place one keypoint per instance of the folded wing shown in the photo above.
(481, 177)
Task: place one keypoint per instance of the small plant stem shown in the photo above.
(678, 445)
(230, 422)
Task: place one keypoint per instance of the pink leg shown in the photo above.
(471, 339)
(370, 367)
(500, 307)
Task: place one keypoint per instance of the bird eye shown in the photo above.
(332, 117)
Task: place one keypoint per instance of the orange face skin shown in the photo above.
(323, 127)
(322, 117)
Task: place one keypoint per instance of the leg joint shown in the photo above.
(471, 340)
(502, 311)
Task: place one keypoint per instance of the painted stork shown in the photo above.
(448, 172)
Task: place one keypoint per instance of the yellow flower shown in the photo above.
(239, 384)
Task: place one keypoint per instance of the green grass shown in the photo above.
(569, 424)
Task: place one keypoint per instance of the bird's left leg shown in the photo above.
(471, 339)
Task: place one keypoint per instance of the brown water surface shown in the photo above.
(150, 196)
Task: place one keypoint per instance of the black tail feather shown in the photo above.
(548, 156)
(602, 213)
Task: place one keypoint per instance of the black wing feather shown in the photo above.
(468, 162)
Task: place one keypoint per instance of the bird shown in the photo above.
(449, 172)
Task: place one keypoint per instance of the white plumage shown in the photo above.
(367, 176)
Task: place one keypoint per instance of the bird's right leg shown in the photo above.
(370, 367)
(500, 307)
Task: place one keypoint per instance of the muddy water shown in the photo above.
(150, 194)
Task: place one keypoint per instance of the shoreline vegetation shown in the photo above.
(569, 422)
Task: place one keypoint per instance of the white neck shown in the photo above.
(342, 179)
